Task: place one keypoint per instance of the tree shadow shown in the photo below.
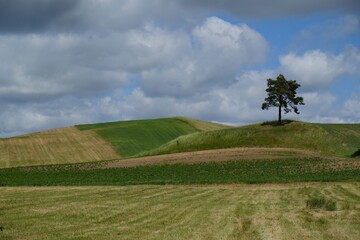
(276, 123)
(356, 153)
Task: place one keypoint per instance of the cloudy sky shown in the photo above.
(83, 61)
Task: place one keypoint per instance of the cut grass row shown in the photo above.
(328, 139)
(180, 212)
(241, 171)
(57, 146)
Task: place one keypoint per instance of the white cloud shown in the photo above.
(219, 50)
(351, 108)
(316, 69)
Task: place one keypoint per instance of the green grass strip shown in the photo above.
(133, 137)
(259, 171)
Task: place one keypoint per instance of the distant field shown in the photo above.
(180, 212)
(328, 139)
(130, 138)
(64, 145)
(95, 142)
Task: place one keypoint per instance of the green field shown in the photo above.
(134, 137)
(180, 212)
(240, 171)
(328, 139)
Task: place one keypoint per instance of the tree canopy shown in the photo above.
(282, 94)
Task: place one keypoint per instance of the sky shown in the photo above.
(86, 61)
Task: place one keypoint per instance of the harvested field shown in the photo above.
(270, 211)
(64, 145)
(219, 155)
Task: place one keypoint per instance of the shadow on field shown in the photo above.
(276, 123)
(356, 154)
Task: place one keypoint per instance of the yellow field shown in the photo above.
(180, 212)
(64, 145)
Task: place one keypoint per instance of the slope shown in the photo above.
(134, 137)
(63, 145)
(95, 142)
(328, 139)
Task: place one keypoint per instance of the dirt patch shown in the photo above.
(213, 156)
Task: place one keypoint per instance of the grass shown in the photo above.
(133, 137)
(229, 172)
(202, 125)
(332, 139)
(95, 142)
(321, 203)
(179, 212)
(58, 146)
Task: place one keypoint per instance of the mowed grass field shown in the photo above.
(270, 211)
(64, 145)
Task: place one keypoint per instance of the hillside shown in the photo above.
(124, 139)
(130, 138)
(63, 145)
(328, 139)
(96, 142)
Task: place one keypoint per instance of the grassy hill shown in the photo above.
(124, 139)
(130, 138)
(328, 139)
(96, 142)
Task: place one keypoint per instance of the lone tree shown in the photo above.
(282, 94)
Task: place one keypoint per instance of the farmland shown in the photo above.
(180, 178)
(95, 142)
(64, 145)
(180, 212)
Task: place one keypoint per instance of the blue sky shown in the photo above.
(77, 61)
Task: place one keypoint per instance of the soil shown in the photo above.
(212, 156)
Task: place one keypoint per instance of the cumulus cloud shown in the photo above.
(316, 69)
(352, 108)
(68, 62)
(53, 65)
(176, 67)
(219, 50)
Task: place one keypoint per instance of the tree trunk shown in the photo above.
(280, 105)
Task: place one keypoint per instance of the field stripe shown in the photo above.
(65, 145)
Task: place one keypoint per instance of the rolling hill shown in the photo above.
(96, 142)
(137, 138)
(130, 138)
(327, 139)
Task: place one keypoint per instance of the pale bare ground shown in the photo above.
(230, 154)
(238, 211)
(63, 145)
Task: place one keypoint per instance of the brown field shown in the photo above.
(64, 145)
(230, 154)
